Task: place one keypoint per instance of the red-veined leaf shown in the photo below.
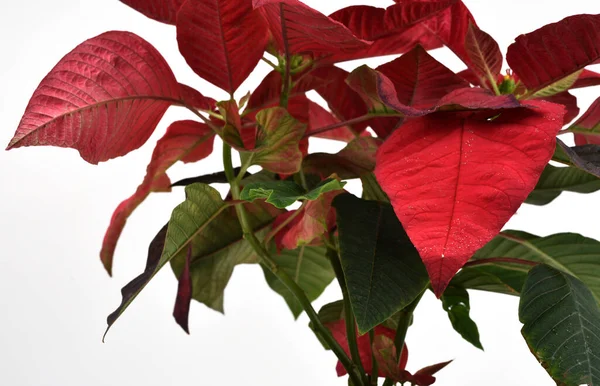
(318, 118)
(181, 312)
(587, 127)
(454, 179)
(556, 51)
(315, 219)
(587, 78)
(299, 29)
(104, 98)
(338, 330)
(268, 91)
(221, 40)
(161, 10)
(393, 30)
(568, 100)
(484, 54)
(420, 81)
(188, 141)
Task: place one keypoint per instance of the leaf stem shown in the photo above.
(269, 63)
(283, 224)
(333, 256)
(327, 128)
(374, 364)
(291, 285)
(492, 260)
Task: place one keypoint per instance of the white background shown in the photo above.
(54, 208)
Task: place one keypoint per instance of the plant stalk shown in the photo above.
(291, 285)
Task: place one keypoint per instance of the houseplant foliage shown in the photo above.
(445, 160)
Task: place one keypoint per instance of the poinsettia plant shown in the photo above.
(445, 159)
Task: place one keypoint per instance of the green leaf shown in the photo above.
(372, 190)
(554, 180)
(383, 270)
(282, 194)
(277, 142)
(455, 301)
(561, 326)
(370, 85)
(219, 248)
(557, 87)
(501, 278)
(585, 157)
(310, 269)
(569, 252)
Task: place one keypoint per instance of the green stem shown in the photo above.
(291, 285)
(269, 63)
(348, 314)
(388, 382)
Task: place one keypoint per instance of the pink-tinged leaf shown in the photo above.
(342, 100)
(476, 99)
(338, 330)
(454, 179)
(164, 11)
(587, 127)
(393, 30)
(587, 78)
(484, 55)
(299, 29)
(556, 51)
(221, 40)
(233, 133)
(278, 138)
(188, 141)
(192, 98)
(104, 98)
(318, 118)
(181, 312)
(420, 81)
(315, 219)
(424, 377)
(386, 355)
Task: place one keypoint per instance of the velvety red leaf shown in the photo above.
(104, 98)
(454, 179)
(299, 29)
(192, 98)
(485, 58)
(315, 219)
(221, 40)
(188, 141)
(338, 330)
(393, 30)
(587, 127)
(161, 10)
(555, 51)
(420, 81)
(181, 312)
(269, 90)
(587, 78)
(318, 118)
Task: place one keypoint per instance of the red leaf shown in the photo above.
(315, 220)
(587, 127)
(424, 377)
(568, 100)
(319, 118)
(161, 10)
(269, 90)
(188, 141)
(181, 312)
(342, 100)
(587, 78)
(484, 54)
(104, 98)
(393, 30)
(555, 51)
(221, 40)
(299, 29)
(338, 330)
(454, 179)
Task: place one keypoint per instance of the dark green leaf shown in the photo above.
(585, 157)
(455, 301)
(282, 194)
(569, 252)
(383, 270)
(310, 269)
(554, 180)
(372, 190)
(562, 326)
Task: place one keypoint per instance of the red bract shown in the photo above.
(214, 38)
(161, 10)
(104, 98)
(338, 330)
(484, 55)
(187, 141)
(454, 179)
(298, 29)
(587, 127)
(555, 51)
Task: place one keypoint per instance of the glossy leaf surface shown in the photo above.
(455, 301)
(382, 268)
(555, 180)
(482, 171)
(104, 98)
